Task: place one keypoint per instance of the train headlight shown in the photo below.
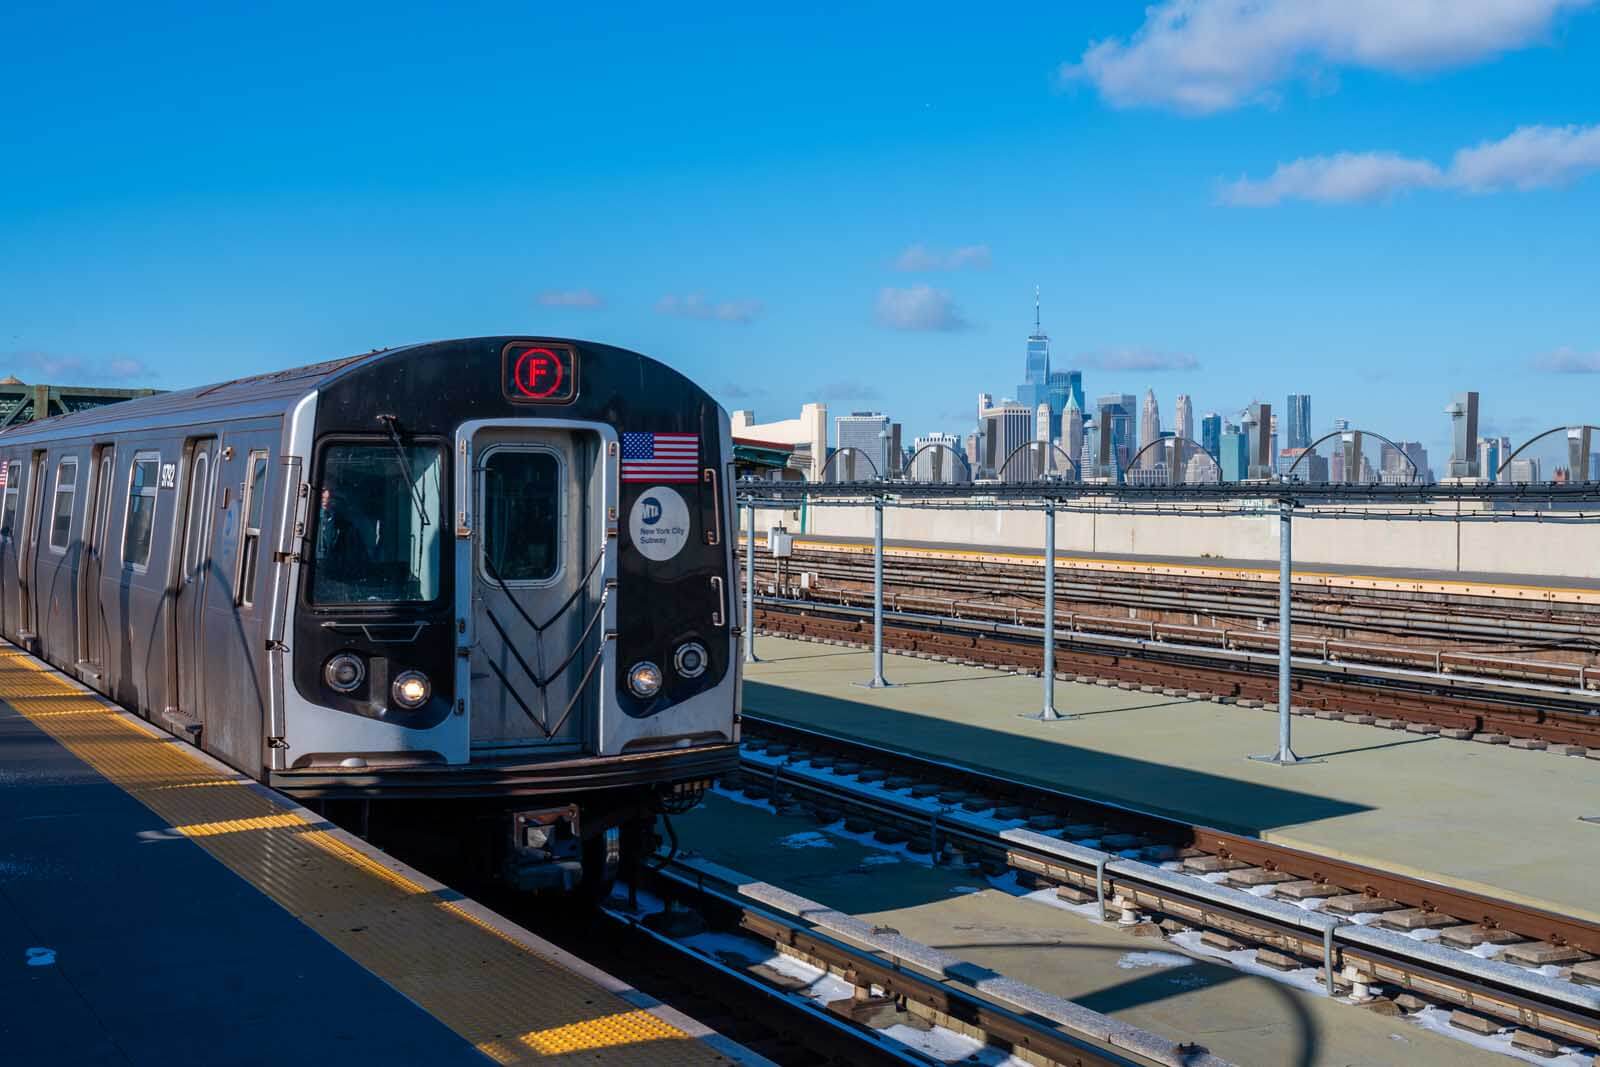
(344, 672)
(690, 659)
(645, 679)
(411, 689)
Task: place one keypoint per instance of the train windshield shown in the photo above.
(378, 524)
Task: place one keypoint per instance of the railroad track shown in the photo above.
(888, 975)
(1543, 642)
(1493, 709)
(1150, 868)
(767, 1010)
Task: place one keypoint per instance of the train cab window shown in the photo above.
(255, 500)
(521, 515)
(379, 524)
(8, 518)
(61, 513)
(140, 517)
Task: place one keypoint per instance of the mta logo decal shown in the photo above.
(652, 511)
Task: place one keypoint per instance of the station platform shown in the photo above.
(158, 908)
(1554, 589)
(1486, 818)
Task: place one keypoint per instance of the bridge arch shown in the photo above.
(1416, 475)
(1506, 463)
(1050, 449)
(1133, 461)
(822, 475)
(934, 446)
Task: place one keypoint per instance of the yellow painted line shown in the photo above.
(1331, 578)
(629, 1028)
(239, 826)
(508, 1000)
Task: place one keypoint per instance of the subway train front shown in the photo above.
(476, 593)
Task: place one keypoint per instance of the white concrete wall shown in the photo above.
(1472, 545)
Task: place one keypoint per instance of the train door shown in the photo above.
(11, 516)
(27, 550)
(193, 564)
(96, 520)
(56, 567)
(235, 632)
(535, 609)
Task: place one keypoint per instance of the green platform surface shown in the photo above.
(1483, 817)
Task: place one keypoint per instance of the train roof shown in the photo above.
(257, 395)
(254, 394)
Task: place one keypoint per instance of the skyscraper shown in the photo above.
(1149, 430)
(1183, 416)
(1115, 421)
(1234, 451)
(1006, 427)
(1072, 432)
(1065, 385)
(1036, 370)
(1257, 429)
(938, 463)
(1299, 429)
(870, 433)
(1488, 458)
(1211, 433)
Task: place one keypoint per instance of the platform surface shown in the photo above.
(155, 908)
(1483, 817)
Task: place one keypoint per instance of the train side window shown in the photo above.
(139, 520)
(255, 501)
(522, 492)
(8, 520)
(61, 514)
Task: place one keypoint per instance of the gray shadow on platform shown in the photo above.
(1154, 984)
(1369, 748)
(1052, 760)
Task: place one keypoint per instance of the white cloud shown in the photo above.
(1531, 157)
(1333, 179)
(1568, 361)
(571, 298)
(920, 257)
(53, 368)
(918, 308)
(696, 306)
(1142, 359)
(1203, 56)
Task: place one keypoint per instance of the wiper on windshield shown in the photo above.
(390, 422)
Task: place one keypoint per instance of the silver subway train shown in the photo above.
(488, 583)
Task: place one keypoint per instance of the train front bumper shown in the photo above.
(510, 777)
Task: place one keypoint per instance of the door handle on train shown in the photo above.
(717, 614)
(714, 531)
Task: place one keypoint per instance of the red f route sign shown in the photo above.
(537, 372)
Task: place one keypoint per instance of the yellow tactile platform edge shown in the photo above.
(512, 1003)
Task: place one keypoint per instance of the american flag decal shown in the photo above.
(660, 457)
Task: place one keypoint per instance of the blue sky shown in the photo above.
(1227, 198)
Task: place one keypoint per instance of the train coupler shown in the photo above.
(544, 851)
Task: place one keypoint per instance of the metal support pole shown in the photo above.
(1048, 712)
(1285, 753)
(750, 587)
(878, 681)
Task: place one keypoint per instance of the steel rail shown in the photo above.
(1576, 710)
(1244, 600)
(1437, 972)
(867, 967)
